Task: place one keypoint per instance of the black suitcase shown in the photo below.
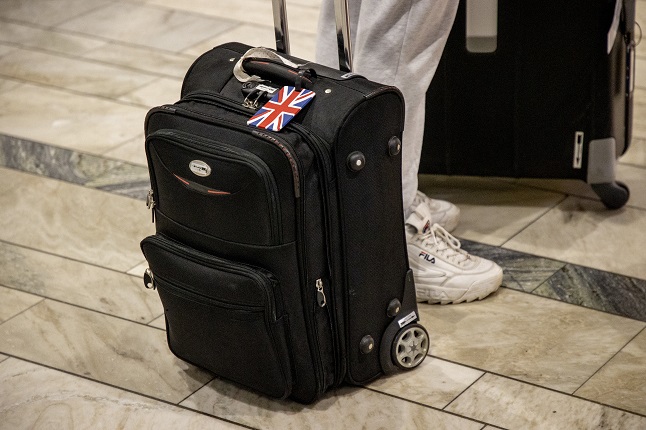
(546, 94)
(280, 257)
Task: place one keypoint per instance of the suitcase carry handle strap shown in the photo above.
(342, 31)
(279, 72)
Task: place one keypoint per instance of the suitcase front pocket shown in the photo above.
(223, 316)
(215, 188)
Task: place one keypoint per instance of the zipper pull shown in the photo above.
(320, 295)
(149, 279)
(150, 203)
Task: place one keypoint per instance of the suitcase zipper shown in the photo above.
(150, 203)
(198, 143)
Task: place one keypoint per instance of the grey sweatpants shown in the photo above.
(395, 42)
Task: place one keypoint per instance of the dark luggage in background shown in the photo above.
(280, 257)
(544, 92)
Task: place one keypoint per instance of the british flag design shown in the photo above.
(284, 106)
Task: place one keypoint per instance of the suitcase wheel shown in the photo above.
(612, 194)
(410, 346)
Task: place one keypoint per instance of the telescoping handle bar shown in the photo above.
(342, 31)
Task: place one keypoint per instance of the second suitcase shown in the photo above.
(535, 89)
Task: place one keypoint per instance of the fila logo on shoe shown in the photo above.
(426, 256)
(427, 227)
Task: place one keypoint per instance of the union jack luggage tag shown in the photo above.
(283, 106)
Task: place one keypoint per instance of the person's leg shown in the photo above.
(400, 43)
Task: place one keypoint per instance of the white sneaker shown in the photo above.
(443, 213)
(444, 273)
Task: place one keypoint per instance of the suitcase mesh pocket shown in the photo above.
(222, 316)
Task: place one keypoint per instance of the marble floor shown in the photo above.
(82, 344)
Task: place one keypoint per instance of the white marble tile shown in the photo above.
(142, 24)
(5, 49)
(526, 337)
(584, 232)
(639, 113)
(73, 221)
(434, 383)
(159, 322)
(158, 92)
(512, 404)
(633, 176)
(139, 269)
(8, 84)
(345, 408)
(77, 283)
(46, 12)
(303, 45)
(68, 120)
(147, 59)
(132, 151)
(256, 12)
(13, 301)
(491, 211)
(100, 347)
(622, 381)
(35, 397)
(63, 72)
(48, 40)
(636, 153)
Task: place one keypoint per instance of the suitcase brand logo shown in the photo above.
(282, 107)
(200, 168)
(427, 257)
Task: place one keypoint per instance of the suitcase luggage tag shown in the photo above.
(283, 106)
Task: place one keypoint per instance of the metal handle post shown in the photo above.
(280, 26)
(343, 34)
(342, 31)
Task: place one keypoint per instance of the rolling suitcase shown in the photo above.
(280, 256)
(535, 89)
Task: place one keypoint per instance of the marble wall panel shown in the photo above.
(597, 289)
(75, 167)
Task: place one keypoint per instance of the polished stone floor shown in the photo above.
(82, 344)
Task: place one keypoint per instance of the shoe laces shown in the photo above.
(445, 244)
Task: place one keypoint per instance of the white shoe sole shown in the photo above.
(446, 295)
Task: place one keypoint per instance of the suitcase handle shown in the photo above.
(342, 31)
(279, 72)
